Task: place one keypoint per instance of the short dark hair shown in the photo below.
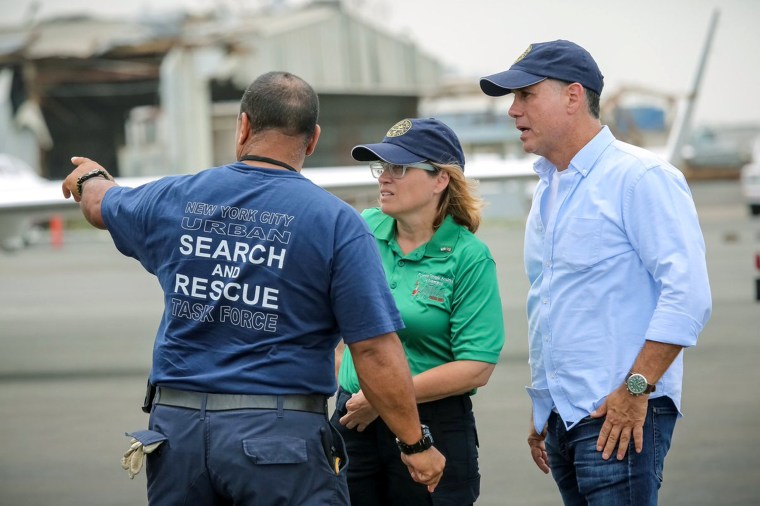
(282, 101)
(593, 102)
(592, 98)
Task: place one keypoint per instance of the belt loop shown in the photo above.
(280, 408)
(204, 401)
(157, 397)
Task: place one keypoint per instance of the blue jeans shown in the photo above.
(584, 478)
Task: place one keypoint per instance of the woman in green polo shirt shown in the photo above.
(443, 279)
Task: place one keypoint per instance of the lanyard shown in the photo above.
(254, 158)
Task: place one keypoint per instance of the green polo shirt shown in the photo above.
(447, 293)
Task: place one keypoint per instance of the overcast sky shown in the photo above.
(649, 43)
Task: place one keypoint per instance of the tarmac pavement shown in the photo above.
(76, 332)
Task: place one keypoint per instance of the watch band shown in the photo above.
(90, 175)
(420, 446)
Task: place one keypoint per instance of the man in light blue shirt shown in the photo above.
(616, 263)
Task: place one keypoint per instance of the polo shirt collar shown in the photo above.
(442, 243)
(444, 239)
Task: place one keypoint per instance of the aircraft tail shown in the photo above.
(681, 128)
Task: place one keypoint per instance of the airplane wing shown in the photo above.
(355, 184)
(26, 199)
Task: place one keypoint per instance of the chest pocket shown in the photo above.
(579, 242)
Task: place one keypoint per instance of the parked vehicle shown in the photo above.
(751, 186)
(750, 180)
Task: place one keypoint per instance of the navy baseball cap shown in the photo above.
(413, 141)
(558, 59)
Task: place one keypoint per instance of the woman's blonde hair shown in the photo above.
(460, 199)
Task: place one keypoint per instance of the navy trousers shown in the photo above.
(245, 457)
(376, 475)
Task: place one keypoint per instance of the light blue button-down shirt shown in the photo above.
(619, 259)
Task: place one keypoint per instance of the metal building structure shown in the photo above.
(160, 96)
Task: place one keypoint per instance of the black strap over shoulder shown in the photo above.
(254, 158)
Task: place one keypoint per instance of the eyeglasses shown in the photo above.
(398, 171)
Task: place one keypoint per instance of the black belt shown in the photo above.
(223, 402)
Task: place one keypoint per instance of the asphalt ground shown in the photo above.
(76, 331)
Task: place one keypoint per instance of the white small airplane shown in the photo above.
(26, 199)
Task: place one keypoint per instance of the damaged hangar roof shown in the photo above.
(331, 48)
(328, 46)
(83, 37)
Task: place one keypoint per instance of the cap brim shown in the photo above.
(386, 152)
(503, 83)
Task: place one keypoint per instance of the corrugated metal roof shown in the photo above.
(328, 47)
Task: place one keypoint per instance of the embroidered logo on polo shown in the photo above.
(399, 128)
(432, 287)
(525, 53)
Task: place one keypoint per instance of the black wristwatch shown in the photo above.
(420, 446)
(637, 384)
(90, 175)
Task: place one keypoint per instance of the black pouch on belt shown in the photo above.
(150, 393)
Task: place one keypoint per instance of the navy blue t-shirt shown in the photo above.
(262, 271)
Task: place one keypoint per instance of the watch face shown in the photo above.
(637, 384)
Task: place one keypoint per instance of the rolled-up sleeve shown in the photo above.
(673, 252)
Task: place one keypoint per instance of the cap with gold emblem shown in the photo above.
(414, 140)
(558, 59)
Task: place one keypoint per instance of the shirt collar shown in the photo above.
(444, 239)
(586, 158)
(583, 161)
(442, 243)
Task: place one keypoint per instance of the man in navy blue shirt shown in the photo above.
(263, 273)
(618, 284)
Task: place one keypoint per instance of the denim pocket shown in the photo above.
(663, 423)
(276, 450)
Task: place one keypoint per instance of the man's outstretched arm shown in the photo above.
(98, 183)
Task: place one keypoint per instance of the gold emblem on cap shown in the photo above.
(399, 128)
(525, 53)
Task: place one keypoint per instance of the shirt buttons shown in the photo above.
(548, 264)
(545, 301)
(401, 263)
(393, 284)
